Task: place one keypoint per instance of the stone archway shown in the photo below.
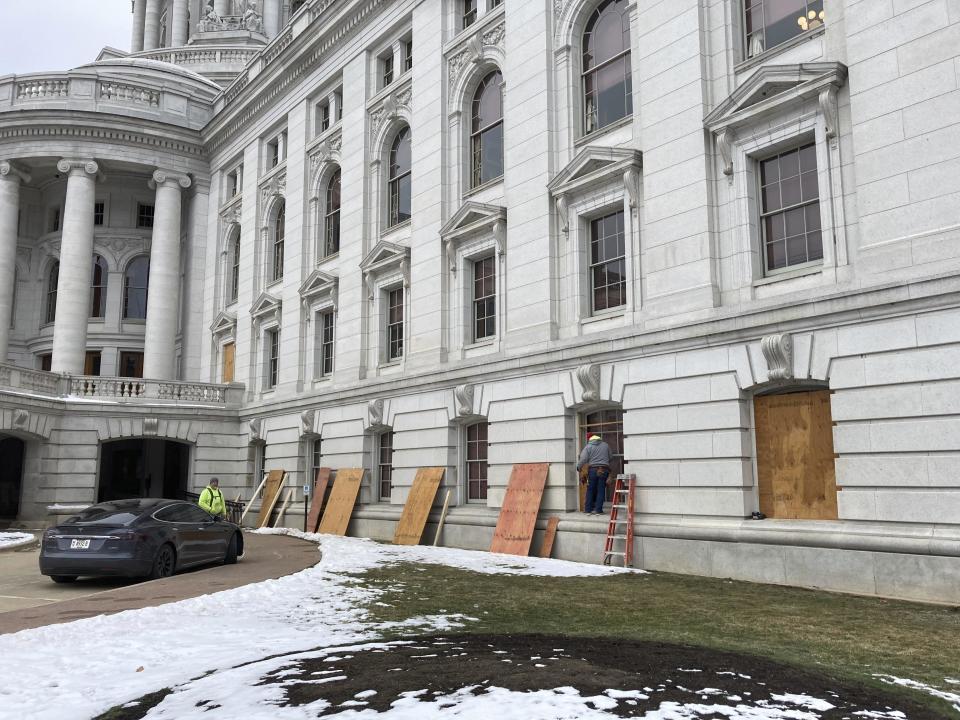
(12, 452)
(143, 467)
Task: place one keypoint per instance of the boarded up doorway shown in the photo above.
(795, 463)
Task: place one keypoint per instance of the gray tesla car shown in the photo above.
(137, 538)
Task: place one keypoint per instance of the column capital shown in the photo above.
(76, 166)
(171, 178)
(11, 171)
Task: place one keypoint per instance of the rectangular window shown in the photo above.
(98, 209)
(131, 364)
(338, 101)
(608, 279)
(386, 70)
(91, 363)
(144, 216)
(484, 298)
(46, 362)
(276, 150)
(770, 23)
(325, 336)
(476, 469)
(324, 116)
(316, 458)
(395, 324)
(469, 12)
(273, 359)
(407, 55)
(790, 209)
(385, 464)
(234, 182)
(54, 220)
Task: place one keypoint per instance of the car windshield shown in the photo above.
(120, 512)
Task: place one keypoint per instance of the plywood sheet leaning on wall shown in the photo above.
(417, 508)
(271, 493)
(549, 535)
(320, 484)
(521, 504)
(346, 487)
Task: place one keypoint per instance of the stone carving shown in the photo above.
(243, 16)
(21, 418)
(325, 151)
(375, 411)
(307, 418)
(89, 166)
(589, 378)
(828, 106)
(725, 146)
(631, 183)
(256, 428)
(778, 352)
(9, 169)
(475, 51)
(277, 185)
(163, 176)
(500, 237)
(391, 108)
(151, 426)
(563, 215)
(464, 396)
(233, 213)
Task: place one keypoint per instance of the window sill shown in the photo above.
(800, 39)
(617, 312)
(274, 283)
(798, 272)
(394, 228)
(324, 134)
(386, 90)
(594, 134)
(486, 342)
(481, 23)
(390, 364)
(483, 186)
(269, 173)
(134, 321)
(328, 258)
(230, 202)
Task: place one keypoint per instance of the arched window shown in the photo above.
(135, 283)
(331, 220)
(486, 133)
(279, 232)
(98, 288)
(607, 82)
(399, 179)
(53, 278)
(235, 266)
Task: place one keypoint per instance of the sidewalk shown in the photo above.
(32, 600)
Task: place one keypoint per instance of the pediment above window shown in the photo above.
(772, 88)
(384, 258)
(225, 324)
(473, 217)
(595, 164)
(319, 286)
(266, 308)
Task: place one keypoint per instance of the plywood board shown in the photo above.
(521, 504)
(320, 484)
(271, 492)
(417, 508)
(546, 549)
(796, 476)
(346, 487)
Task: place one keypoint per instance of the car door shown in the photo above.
(211, 536)
(184, 530)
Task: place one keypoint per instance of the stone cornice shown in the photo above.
(244, 100)
(43, 128)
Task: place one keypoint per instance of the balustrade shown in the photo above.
(42, 88)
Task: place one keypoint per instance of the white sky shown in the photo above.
(60, 34)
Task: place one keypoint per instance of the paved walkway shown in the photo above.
(29, 599)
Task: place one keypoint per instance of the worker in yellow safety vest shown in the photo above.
(211, 499)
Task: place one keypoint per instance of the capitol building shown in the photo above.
(391, 234)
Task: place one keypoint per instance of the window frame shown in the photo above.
(99, 291)
(385, 478)
(331, 216)
(745, 6)
(491, 318)
(53, 286)
(395, 179)
(324, 343)
(233, 294)
(271, 358)
(125, 311)
(625, 55)
(394, 330)
(469, 13)
(278, 232)
(483, 483)
(145, 216)
(592, 221)
(477, 134)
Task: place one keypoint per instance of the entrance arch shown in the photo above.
(12, 451)
(143, 467)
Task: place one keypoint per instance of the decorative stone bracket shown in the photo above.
(588, 376)
(464, 395)
(778, 352)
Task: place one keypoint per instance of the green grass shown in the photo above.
(844, 636)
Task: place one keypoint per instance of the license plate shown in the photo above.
(79, 544)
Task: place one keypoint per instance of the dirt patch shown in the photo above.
(638, 676)
(137, 709)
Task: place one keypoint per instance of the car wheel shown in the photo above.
(230, 558)
(164, 563)
(63, 578)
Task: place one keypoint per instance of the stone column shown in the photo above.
(139, 18)
(76, 267)
(271, 18)
(151, 25)
(178, 36)
(10, 179)
(163, 294)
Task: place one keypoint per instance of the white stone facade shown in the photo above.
(704, 324)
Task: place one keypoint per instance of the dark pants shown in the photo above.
(596, 489)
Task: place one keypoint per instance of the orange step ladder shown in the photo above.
(620, 528)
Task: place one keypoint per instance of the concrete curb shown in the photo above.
(22, 545)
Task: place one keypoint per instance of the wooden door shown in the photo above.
(91, 363)
(131, 364)
(795, 463)
(229, 355)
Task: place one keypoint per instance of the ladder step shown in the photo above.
(612, 552)
(620, 506)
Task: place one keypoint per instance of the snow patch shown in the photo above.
(9, 540)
